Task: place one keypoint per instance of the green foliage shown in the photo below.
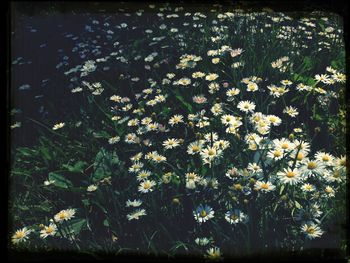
(60, 180)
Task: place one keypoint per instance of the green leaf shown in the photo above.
(165, 111)
(256, 156)
(105, 164)
(100, 206)
(77, 167)
(26, 151)
(45, 153)
(297, 205)
(60, 181)
(180, 98)
(101, 134)
(77, 225)
(281, 190)
(307, 63)
(106, 223)
(85, 202)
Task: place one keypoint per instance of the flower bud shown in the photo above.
(291, 137)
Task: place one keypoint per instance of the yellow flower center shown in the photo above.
(264, 186)
(49, 230)
(310, 230)
(203, 213)
(325, 158)
(328, 190)
(277, 154)
(62, 215)
(195, 148)
(191, 176)
(20, 234)
(285, 145)
(234, 217)
(280, 90)
(336, 174)
(147, 185)
(311, 165)
(290, 174)
(237, 186)
(211, 152)
(300, 156)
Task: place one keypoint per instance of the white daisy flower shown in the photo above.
(21, 235)
(202, 241)
(50, 230)
(213, 253)
(203, 213)
(308, 187)
(175, 119)
(311, 167)
(171, 143)
(329, 191)
(135, 167)
(274, 120)
(135, 203)
(275, 154)
(91, 188)
(333, 176)
(58, 126)
(254, 168)
(211, 136)
(232, 173)
(136, 215)
(227, 120)
(291, 111)
(210, 153)
(232, 92)
(142, 175)
(64, 215)
(194, 147)
(146, 186)
(216, 109)
(289, 176)
(284, 144)
(235, 216)
(114, 140)
(311, 230)
(252, 87)
(246, 106)
(325, 158)
(340, 163)
(211, 76)
(264, 186)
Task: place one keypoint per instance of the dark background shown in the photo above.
(52, 20)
